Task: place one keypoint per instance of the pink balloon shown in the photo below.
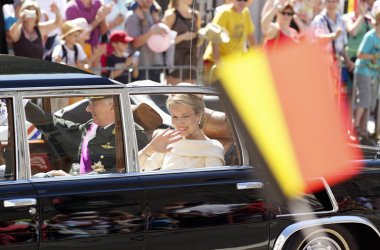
(160, 43)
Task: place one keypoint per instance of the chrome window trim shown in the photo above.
(194, 170)
(52, 76)
(22, 139)
(130, 142)
(166, 89)
(25, 158)
(332, 199)
(56, 88)
(293, 228)
(55, 93)
(83, 177)
(137, 174)
(13, 96)
(14, 182)
(129, 134)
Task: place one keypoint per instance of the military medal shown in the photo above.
(98, 167)
(107, 146)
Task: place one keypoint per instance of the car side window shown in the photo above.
(207, 137)
(7, 141)
(70, 136)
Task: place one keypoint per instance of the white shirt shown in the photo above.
(319, 25)
(70, 59)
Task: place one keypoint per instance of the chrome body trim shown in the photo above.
(249, 185)
(293, 228)
(24, 202)
(332, 199)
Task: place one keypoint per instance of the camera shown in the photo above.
(30, 13)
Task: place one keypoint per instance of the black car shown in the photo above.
(226, 207)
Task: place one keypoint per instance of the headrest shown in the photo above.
(146, 116)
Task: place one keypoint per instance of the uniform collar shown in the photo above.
(109, 125)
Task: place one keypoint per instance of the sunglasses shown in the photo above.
(285, 13)
(242, 1)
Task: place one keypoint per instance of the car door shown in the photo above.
(203, 208)
(18, 199)
(211, 209)
(90, 211)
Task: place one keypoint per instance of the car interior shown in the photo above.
(149, 113)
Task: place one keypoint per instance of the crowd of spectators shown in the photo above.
(115, 38)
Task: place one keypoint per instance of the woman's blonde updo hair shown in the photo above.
(29, 3)
(192, 100)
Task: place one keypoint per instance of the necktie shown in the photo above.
(85, 158)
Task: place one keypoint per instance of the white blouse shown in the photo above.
(187, 154)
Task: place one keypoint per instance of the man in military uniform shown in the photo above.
(93, 141)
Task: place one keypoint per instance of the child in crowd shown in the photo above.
(120, 60)
(69, 51)
(93, 54)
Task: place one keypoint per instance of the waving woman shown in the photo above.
(28, 33)
(279, 31)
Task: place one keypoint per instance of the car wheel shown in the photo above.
(332, 237)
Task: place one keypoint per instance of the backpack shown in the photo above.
(64, 53)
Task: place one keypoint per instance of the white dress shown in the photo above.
(187, 154)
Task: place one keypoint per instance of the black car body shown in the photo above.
(226, 207)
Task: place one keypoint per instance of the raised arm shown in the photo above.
(268, 13)
(46, 27)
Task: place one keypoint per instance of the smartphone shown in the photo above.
(30, 13)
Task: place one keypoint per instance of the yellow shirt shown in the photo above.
(238, 25)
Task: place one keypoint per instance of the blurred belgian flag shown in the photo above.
(286, 106)
(350, 5)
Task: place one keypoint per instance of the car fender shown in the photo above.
(298, 226)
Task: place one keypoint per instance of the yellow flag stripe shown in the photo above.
(350, 6)
(248, 82)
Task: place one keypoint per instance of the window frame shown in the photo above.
(16, 138)
(124, 119)
(204, 90)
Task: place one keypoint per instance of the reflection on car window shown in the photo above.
(183, 131)
(7, 152)
(78, 136)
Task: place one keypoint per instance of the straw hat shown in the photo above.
(214, 33)
(82, 23)
(69, 27)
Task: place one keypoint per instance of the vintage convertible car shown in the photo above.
(225, 207)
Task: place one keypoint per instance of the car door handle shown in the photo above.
(20, 202)
(249, 185)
